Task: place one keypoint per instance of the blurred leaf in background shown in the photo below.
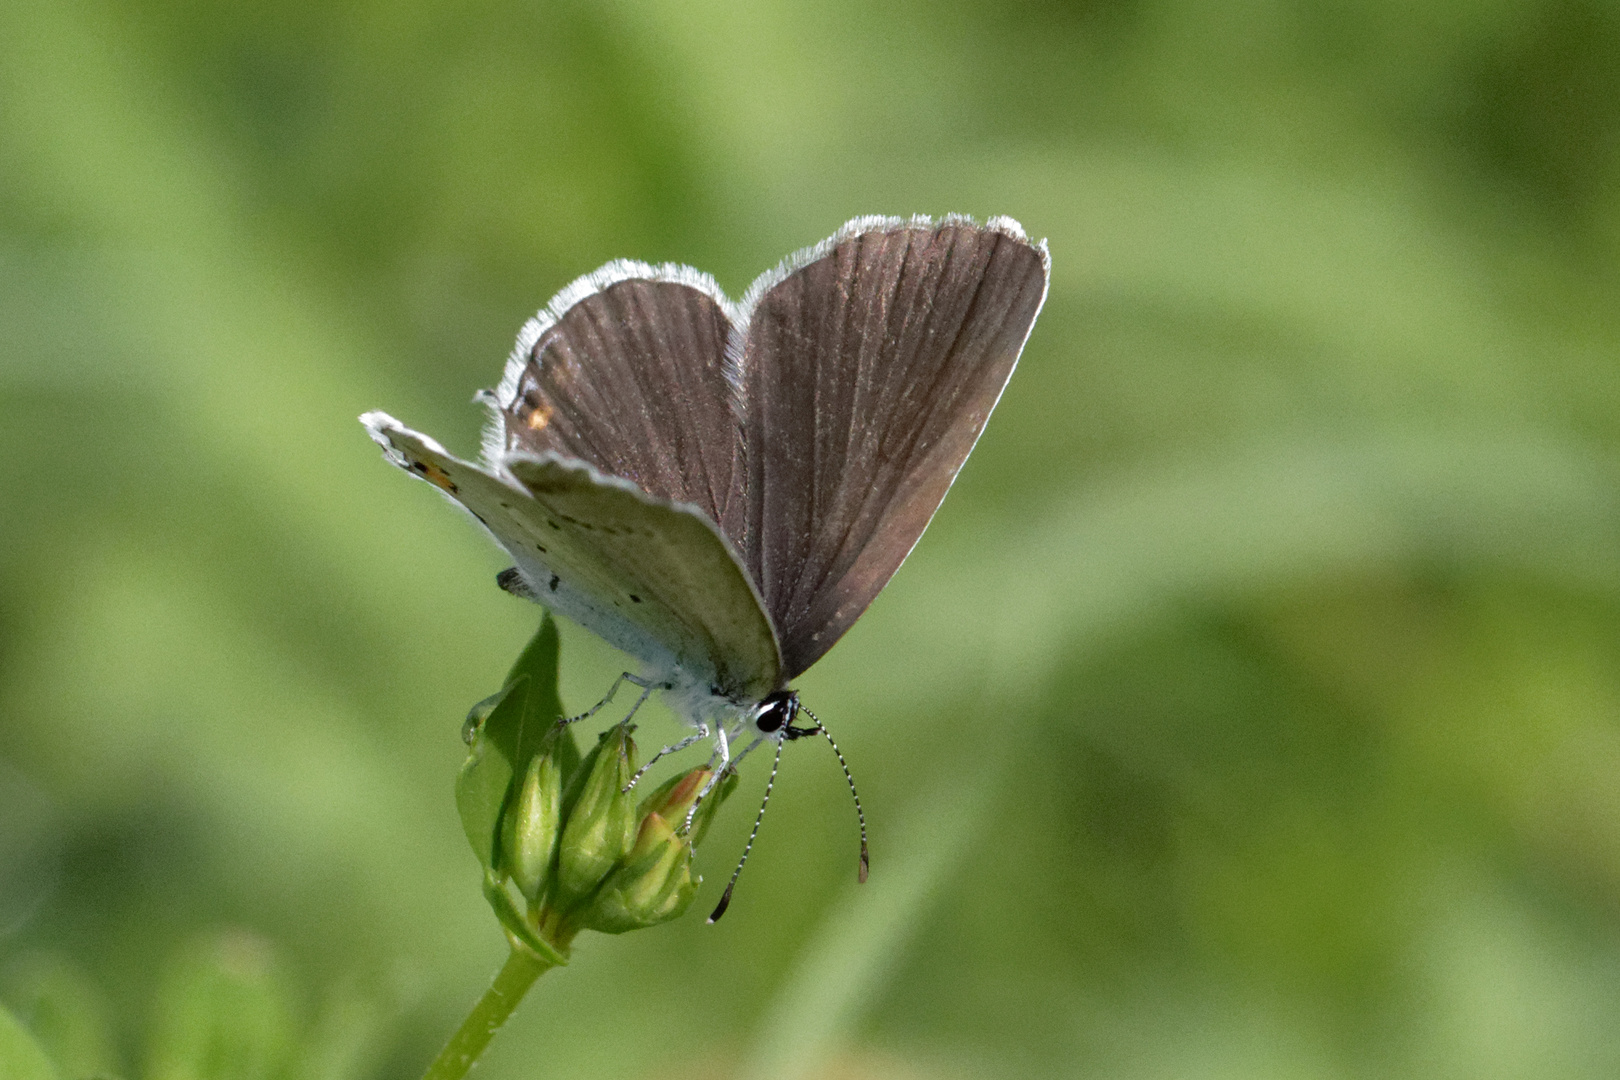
(64, 1010)
(1251, 708)
(20, 1055)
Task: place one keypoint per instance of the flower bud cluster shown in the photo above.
(565, 832)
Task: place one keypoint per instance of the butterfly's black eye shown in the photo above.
(776, 711)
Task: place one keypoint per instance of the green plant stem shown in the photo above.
(511, 983)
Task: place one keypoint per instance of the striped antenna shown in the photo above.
(725, 899)
(860, 815)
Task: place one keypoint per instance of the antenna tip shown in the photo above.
(720, 908)
(866, 866)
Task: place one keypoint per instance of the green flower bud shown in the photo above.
(531, 825)
(710, 805)
(601, 818)
(654, 885)
(655, 882)
(675, 796)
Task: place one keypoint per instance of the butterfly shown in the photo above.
(721, 488)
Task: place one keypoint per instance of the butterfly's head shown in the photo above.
(773, 719)
(774, 716)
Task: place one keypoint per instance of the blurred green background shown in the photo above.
(1252, 708)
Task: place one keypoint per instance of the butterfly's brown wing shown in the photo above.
(868, 367)
(625, 371)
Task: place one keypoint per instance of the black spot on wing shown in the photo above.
(434, 475)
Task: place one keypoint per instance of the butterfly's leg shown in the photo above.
(723, 744)
(719, 775)
(701, 733)
(749, 749)
(624, 677)
(723, 737)
(722, 750)
(646, 691)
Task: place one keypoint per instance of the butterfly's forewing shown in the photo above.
(651, 577)
(869, 367)
(625, 370)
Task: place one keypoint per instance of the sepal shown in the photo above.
(518, 930)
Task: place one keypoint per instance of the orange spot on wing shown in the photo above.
(539, 417)
(435, 476)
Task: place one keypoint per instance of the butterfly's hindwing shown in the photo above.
(692, 586)
(651, 577)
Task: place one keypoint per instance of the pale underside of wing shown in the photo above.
(869, 367)
(650, 576)
(625, 370)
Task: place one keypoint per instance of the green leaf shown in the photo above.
(20, 1056)
(538, 732)
(485, 778)
(566, 752)
(507, 731)
(538, 661)
(473, 727)
(222, 1014)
